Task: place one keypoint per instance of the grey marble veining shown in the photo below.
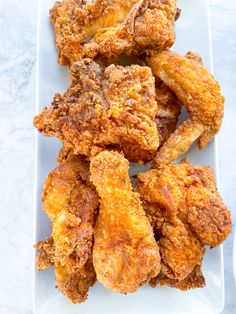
(18, 23)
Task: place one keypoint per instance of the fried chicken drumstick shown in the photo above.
(71, 202)
(125, 253)
(113, 106)
(198, 92)
(186, 212)
(107, 29)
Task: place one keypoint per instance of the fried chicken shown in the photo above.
(197, 90)
(186, 212)
(71, 202)
(105, 107)
(107, 29)
(125, 253)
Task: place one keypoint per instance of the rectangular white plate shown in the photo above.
(192, 34)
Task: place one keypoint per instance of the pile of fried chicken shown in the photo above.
(103, 227)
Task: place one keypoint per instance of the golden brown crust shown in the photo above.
(113, 106)
(107, 29)
(178, 142)
(197, 90)
(186, 212)
(194, 280)
(125, 253)
(71, 202)
(74, 283)
(46, 252)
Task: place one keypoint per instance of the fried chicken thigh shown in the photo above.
(107, 29)
(105, 107)
(186, 212)
(71, 202)
(125, 253)
(198, 92)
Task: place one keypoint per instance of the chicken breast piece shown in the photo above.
(105, 107)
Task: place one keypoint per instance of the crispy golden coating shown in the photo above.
(106, 29)
(46, 252)
(168, 111)
(71, 202)
(113, 106)
(74, 284)
(197, 90)
(186, 212)
(194, 280)
(125, 253)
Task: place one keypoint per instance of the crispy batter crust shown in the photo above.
(46, 252)
(71, 202)
(194, 280)
(113, 106)
(197, 90)
(125, 253)
(107, 29)
(186, 212)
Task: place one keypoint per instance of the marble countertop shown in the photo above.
(18, 23)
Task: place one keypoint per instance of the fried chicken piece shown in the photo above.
(197, 90)
(71, 202)
(186, 212)
(125, 253)
(74, 284)
(194, 280)
(105, 107)
(168, 111)
(107, 29)
(168, 106)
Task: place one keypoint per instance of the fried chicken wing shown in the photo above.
(125, 253)
(106, 29)
(105, 107)
(71, 202)
(186, 212)
(197, 90)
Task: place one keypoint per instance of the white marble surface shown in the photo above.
(18, 21)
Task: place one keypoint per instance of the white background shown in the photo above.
(18, 22)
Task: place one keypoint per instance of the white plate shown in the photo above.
(192, 34)
(234, 255)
